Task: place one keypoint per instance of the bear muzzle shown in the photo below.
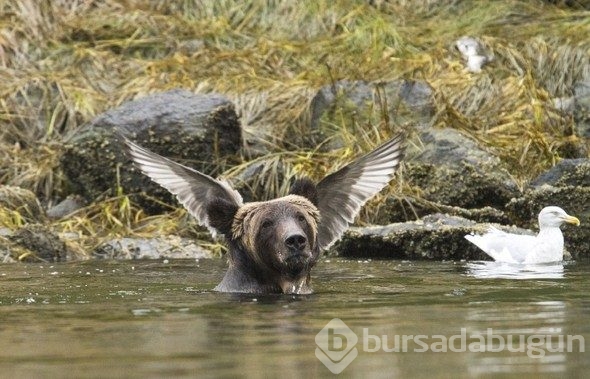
(297, 249)
(296, 243)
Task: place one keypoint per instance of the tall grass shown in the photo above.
(63, 62)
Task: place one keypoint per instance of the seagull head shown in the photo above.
(554, 217)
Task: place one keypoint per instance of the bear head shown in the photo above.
(275, 241)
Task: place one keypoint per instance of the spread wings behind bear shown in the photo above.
(338, 197)
(193, 189)
(342, 193)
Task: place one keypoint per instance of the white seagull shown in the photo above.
(473, 52)
(545, 247)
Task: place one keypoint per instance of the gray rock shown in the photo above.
(39, 243)
(451, 169)
(413, 208)
(342, 97)
(450, 147)
(418, 97)
(197, 130)
(573, 199)
(69, 205)
(170, 247)
(357, 103)
(582, 108)
(568, 172)
(356, 93)
(463, 185)
(436, 237)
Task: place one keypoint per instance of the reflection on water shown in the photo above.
(502, 270)
(532, 337)
(161, 319)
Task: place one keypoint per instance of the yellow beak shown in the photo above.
(572, 220)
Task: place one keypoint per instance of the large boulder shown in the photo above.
(450, 168)
(441, 237)
(568, 172)
(434, 237)
(449, 172)
(160, 247)
(566, 185)
(345, 106)
(199, 130)
(39, 243)
(574, 200)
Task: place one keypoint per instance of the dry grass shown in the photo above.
(63, 62)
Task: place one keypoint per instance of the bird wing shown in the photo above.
(504, 247)
(192, 188)
(342, 193)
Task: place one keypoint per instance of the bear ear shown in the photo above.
(220, 215)
(306, 188)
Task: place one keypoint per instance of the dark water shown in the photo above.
(147, 319)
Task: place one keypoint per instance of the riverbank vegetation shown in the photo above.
(64, 62)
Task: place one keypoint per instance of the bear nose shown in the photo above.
(296, 242)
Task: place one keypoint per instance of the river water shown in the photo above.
(159, 319)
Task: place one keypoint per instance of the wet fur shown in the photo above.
(306, 188)
(259, 262)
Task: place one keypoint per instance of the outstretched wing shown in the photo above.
(342, 193)
(192, 188)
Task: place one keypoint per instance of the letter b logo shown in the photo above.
(336, 345)
(336, 341)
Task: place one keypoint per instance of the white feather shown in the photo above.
(547, 246)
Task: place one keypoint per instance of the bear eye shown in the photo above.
(301, 218)
(266, 223)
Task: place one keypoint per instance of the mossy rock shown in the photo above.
(435, 237)
(38, 243)
(351, 107)
(575, 201)
(20, 205)
(160, 247)
(567, 172)
(200, 131)
(412, 208)
(463, 185)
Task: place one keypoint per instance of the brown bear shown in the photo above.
(274, 244)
